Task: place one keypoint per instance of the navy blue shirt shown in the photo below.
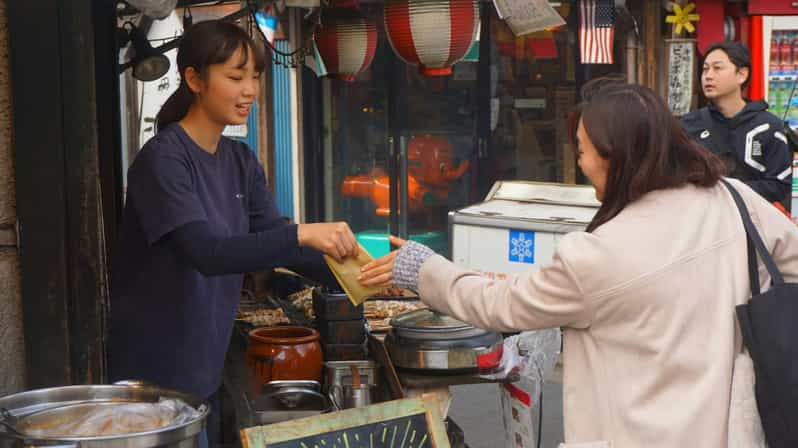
(170, 324)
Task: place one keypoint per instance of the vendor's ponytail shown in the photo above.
(175, 108)
(205, 44)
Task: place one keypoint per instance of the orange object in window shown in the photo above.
(430, 160)
(430, 171)
(376, 187)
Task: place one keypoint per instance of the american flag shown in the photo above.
(596, 20)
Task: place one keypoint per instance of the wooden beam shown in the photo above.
(58, 192)
(86, 269)
(109, 119)
(35, 53)
(652, 32)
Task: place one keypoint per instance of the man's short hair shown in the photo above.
(738, 55)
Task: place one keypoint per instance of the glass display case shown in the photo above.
(400, 149)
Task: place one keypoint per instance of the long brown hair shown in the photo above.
(646, 146)
(202, 45)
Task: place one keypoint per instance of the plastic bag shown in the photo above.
(156, 9)
(95, 419)
(530, 356)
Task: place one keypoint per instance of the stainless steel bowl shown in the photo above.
(30, 403)
(289, 400)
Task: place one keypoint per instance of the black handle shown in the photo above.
(755, 245)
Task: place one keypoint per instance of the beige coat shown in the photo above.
(647, 307)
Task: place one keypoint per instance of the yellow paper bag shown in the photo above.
(347, 272)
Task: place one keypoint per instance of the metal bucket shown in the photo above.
(25, 404)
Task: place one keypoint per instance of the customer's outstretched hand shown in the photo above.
(379, 273)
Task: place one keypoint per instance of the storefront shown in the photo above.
(362, 151)
(502, 113)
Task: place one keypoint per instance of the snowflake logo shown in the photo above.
(522, 246)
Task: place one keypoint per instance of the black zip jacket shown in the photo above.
(760, 155)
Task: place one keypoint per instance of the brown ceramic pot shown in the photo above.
(284, 353)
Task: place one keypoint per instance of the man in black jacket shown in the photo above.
(751, 140)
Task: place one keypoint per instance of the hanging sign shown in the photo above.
(681, 71)
(528, 16)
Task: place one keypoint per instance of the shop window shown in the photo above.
(524, 87)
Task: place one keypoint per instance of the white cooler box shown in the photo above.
(518, 225)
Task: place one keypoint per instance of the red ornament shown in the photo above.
(346, 43)
(433, 34)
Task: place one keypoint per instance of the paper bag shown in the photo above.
(347, 272)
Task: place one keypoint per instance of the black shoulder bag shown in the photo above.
(769, 324)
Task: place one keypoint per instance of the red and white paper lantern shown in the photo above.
(346, 43)
(433, 34)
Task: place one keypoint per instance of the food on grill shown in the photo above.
(303, 301)
(391, 291)
(378, 313)
(264, 317)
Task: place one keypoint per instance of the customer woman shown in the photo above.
(197, 216)
(645, 296)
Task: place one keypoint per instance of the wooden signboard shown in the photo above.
(408, 423)
(681, 63)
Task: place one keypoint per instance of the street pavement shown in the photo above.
(476, 408)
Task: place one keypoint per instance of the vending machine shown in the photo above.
(780, 57)
(780, 38)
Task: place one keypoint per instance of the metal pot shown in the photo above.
(289, 400)
(340, 374)
(425, 340)
(31, 403)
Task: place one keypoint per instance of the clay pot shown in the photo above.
(284, 353)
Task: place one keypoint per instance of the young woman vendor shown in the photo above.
(197, 216)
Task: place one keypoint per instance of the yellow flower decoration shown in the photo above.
(683, 18)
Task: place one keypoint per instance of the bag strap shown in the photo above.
(755, 245)
(719, 135)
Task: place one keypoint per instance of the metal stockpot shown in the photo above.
(29, 403)
(426, 341)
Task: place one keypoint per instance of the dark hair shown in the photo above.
(646, 146)
(738, 55)
(202, 45)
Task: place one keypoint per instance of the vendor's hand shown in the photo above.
(332, 238)
(379, 273)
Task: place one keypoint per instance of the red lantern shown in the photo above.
(433, 34)
(346, 43)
